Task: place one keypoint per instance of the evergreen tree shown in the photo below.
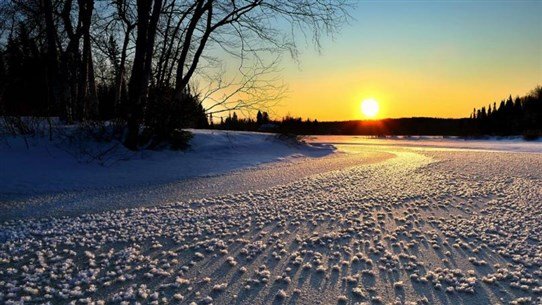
(25, 76)
(259, 117)
(513, 116)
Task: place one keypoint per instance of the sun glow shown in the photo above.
(369, 107)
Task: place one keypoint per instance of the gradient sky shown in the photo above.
(419, 58)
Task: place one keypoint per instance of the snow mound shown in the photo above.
(38, 165)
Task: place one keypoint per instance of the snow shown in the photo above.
(510, 144)
(444, 224)
(51, 166)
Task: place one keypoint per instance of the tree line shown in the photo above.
(519, 116)
(153, 64)
(522, 115)
(289, 125)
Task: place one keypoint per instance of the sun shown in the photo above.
(369, 107)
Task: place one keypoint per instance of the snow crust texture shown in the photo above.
(424, 227)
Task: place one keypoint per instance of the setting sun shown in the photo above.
(369, 107)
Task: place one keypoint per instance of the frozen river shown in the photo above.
(400, 221)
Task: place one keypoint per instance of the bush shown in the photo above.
(179, 139)
(25, 126)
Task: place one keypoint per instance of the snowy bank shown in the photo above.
(46, 166)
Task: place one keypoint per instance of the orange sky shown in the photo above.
(416, 59)
(337, 96)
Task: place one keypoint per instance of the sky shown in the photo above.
(418, 58)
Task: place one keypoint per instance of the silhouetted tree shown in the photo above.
(265, 117)
(134, 60)
(25, 76)
(513, 116)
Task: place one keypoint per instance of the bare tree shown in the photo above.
(56, 93)
(254, 88)
(124, 14)
(171, 47)
(116, 28)
(253, 23)
(148, 13)
(243, 28)
(87, 84)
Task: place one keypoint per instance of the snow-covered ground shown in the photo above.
(430, 225)
(51, 166)
(511, 144)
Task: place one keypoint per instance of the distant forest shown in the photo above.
(522, 115)
(519, 116)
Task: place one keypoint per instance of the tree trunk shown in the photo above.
(55, 91)
(70, 64)
(87, 86)
(180, 85)
(93, 94)
(120, 81)
(141, 69)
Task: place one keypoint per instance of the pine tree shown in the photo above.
(513, 116)
(265, 117)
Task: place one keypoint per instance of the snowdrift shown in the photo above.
(44, 166)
